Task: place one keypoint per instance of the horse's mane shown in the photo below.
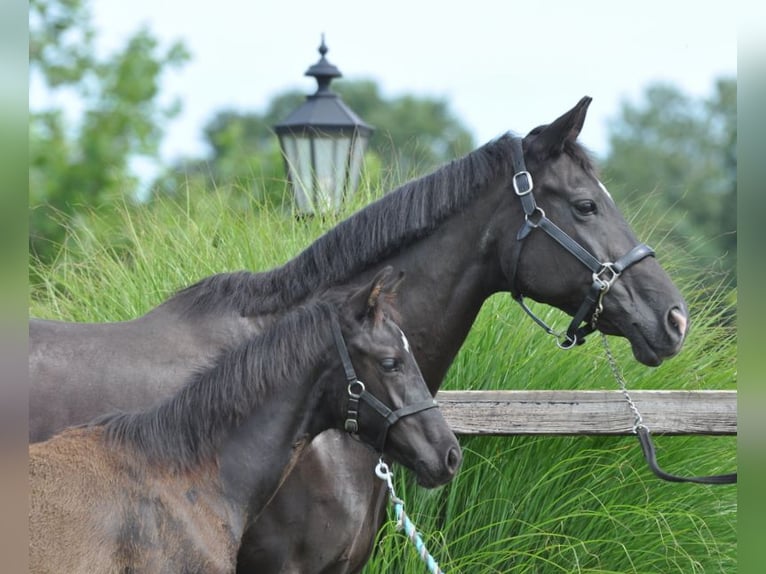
(188, 427)
(412, 211)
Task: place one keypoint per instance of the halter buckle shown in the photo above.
(528, 184)
(351, 425)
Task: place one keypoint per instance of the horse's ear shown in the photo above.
(551, 139)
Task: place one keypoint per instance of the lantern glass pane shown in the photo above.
(331, 157)
(298, 159)
(355, 163)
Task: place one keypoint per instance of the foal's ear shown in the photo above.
(366, 302)
(551, 139)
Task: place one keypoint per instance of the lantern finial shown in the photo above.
(323, 71)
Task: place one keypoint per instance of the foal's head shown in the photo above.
(386, 403)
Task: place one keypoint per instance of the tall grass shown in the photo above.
(519, 504)
(575, 504)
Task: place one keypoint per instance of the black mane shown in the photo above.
(409, 213)
(399, 218)
(187, 428)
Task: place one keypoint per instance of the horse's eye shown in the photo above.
(389, 365)
(585, 207)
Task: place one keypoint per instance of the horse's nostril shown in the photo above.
(678, 320)
(454, 457)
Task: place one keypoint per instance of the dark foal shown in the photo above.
(172, 488)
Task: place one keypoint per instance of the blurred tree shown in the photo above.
(85, 162)
(244, 157)
(60, 40)
(676, 157)
(412, 135)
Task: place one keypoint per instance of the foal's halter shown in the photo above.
(603, 274)
(385, 417)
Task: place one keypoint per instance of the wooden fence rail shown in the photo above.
(588, 412)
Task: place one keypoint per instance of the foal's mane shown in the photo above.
(187, 428)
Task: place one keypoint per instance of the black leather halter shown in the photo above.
(604, 274)
(386, 418)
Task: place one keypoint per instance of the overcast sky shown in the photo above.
(500, 64)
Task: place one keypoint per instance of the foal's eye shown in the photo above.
(585, 207)
(389, 365)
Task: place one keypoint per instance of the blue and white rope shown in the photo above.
(403, 521)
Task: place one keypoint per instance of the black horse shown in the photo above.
(468, 230)
(172, 488)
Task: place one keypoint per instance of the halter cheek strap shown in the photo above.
(385, 417)
(603, 274)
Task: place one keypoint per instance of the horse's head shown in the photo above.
(389, 406)
(594, 253)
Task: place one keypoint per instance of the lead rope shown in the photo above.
(403, 521)
(645, 437)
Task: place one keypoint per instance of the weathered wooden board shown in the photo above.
(588, 412)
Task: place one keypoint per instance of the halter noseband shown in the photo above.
(604, 274)
(386, 418)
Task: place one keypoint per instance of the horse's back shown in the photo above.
(78, 371)
(74, 371)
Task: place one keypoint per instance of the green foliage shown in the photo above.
(687, 150)
(244, 157)
(412, 135)
(576, 504)
(519, 504)
(86, 162)
(60, 40)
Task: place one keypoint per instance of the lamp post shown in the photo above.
(323, 143)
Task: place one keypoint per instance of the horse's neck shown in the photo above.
(448, 276)
(260, 452)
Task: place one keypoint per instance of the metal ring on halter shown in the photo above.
(351, 386)
(537, 211)
(566, 343)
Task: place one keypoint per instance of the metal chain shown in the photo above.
(403, 521)
(638, 421)
(644, 436)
